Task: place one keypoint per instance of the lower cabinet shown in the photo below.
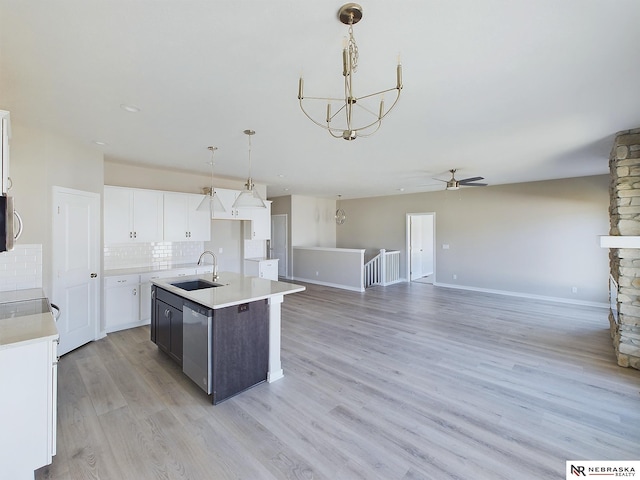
(121, 302)
(262, 268)
(28, 406)
(166, 325)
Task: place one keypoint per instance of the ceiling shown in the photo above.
(513, 91)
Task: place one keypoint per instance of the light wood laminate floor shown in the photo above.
(404, 382)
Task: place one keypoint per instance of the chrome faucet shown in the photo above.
(215, 263)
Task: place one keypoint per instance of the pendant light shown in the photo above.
(211, 202)
(249, 197)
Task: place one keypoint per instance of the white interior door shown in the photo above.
(416, 246)
(279, 248)
(76, 266)
(421, 245)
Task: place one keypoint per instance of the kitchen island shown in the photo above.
(225, 333)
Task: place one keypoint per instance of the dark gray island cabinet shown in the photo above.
(226, 338)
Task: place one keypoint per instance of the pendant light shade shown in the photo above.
(249, 197)
(211, 202)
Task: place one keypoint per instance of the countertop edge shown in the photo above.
(244, 286)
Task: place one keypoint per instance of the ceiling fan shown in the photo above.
(454, 184)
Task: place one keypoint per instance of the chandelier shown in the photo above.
(211, 202)
(249, 197)
(348, 128)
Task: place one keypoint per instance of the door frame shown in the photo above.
(408, 244)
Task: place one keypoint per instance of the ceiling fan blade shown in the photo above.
(471, 179)
(473, 184)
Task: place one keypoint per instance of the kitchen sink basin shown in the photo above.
(196, 285)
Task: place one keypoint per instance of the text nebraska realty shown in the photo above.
(611, 471)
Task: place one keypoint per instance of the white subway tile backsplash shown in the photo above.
(159, 254)
(21, 268)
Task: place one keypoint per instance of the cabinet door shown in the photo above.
(163, 325)
(269, 270)
(147, 215)
(227, 197)
(260, 223)
(176, 335)
(118, 224)
(121, 302)
(176, 226)
(199, 221)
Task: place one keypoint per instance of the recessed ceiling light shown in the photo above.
(285, 189)
(401, 189)
(129, 108)
(98, 142)
(280, 175)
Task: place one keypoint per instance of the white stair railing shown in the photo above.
(383, 269)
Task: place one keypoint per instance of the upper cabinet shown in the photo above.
(227, 198)
(182, 220)
(132, 215)
(5, 133)
(260, 223)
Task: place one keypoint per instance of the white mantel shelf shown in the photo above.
(620, 241)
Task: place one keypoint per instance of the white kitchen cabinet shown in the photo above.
(182, 221)
(227, 198)
(28, 407)
(5, 134)
(121, 302)
(132, 215)
(260, 228)
(257, 267)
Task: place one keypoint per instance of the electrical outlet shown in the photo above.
(220, 250)
(574, 289)
(455, 277)
(445, 246)
(317, 273)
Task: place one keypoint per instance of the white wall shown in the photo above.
(39, 161)
(313, 222)
(537, 238)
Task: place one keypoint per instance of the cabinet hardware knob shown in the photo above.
(135, 291)
(94, 275)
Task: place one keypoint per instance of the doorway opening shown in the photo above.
(421, 240)
(279, 246)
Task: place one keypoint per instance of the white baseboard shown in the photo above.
(524, 295)
(328, 284)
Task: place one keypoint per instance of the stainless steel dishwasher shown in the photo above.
(197, 344)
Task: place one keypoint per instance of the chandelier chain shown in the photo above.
(353, 50)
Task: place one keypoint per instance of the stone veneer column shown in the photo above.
(624, 263)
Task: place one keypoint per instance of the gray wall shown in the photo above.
(538, 238)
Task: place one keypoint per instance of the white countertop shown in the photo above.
(260, 259)
(16, 331)
(151, 269)
(235, 289)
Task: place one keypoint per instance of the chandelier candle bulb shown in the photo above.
(300, 87)
(381, 114)
(345, 62)
(399, 76)
(328, 112)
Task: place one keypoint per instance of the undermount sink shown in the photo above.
(196, 285)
